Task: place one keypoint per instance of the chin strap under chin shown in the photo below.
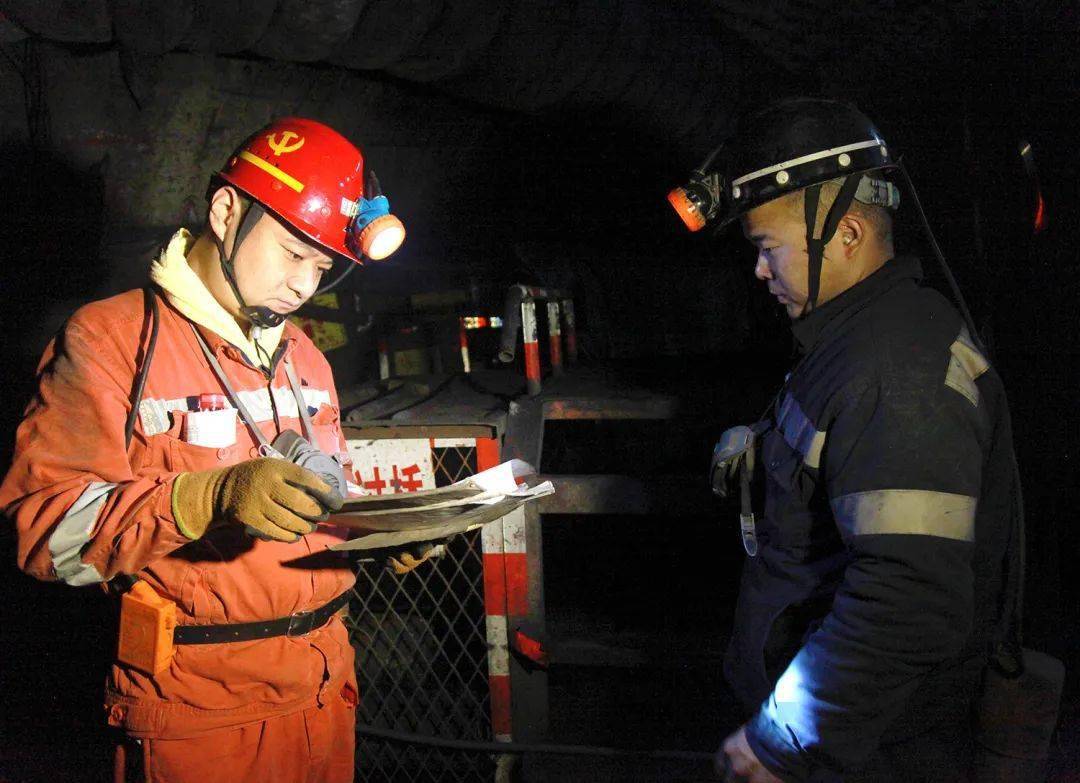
(815, 244)
(262, 317)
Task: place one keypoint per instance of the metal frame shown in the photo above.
(425, 663)
(574, 495)
(514, 616)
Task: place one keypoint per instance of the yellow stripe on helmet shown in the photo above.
(273, 171)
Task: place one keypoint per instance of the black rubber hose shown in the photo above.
(482, 746)
(959, 297)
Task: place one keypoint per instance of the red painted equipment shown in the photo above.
(463, 341)
(532, 347)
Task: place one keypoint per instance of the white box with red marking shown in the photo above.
(388, 466)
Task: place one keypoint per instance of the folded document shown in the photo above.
(428, 515)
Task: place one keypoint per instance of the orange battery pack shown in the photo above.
(146, 629)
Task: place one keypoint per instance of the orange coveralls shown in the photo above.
(87, 509)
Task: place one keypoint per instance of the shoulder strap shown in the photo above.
(151, 320)
(121, 583)
(224, 380)
(294, 385)
(305, 417)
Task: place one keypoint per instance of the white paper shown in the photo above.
(540, 490)
(437, 514)
(213, 429)
(503, 477)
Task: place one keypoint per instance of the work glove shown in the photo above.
(736, 445)
(410, 558)
(274, 498)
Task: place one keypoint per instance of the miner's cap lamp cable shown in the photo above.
(373, 232)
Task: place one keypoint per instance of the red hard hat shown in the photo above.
(312, 177)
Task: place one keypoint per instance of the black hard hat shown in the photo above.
(795, 143)
(800, 144)
(788, 145)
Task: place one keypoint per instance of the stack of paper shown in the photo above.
(429, 515)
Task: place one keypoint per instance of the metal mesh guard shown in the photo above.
(421, 655)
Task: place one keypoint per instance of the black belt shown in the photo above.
(294, 625)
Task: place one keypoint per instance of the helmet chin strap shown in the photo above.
(815, 244)
(263, 317)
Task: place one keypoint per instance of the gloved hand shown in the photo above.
(410, 558)
(273, 497)
(736, 445)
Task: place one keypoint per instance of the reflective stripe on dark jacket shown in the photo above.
(868, 612)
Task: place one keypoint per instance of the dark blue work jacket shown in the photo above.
(870, 609)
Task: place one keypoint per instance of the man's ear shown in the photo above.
(223, 214)
(851, 234)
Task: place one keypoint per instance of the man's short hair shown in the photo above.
(878, 218)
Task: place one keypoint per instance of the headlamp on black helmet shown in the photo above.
(791, 145)
(698, 201)
(788, 146)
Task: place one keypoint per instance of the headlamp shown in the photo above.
(698, 201)
(374, 232)
(693, 204)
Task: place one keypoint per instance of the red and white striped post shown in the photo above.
(506, 598)
(498, 638)
(497, 564)
(532, 348)
(571, 331)
(555, 337)
(463, 341)
(384, 359)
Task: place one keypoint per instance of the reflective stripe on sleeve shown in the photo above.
(906, 511)
(73, 533)
(966, 365)
(800, 433)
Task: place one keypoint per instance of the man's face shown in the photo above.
(278, 269)
(782, 261)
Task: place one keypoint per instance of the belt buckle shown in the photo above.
(300, 623)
